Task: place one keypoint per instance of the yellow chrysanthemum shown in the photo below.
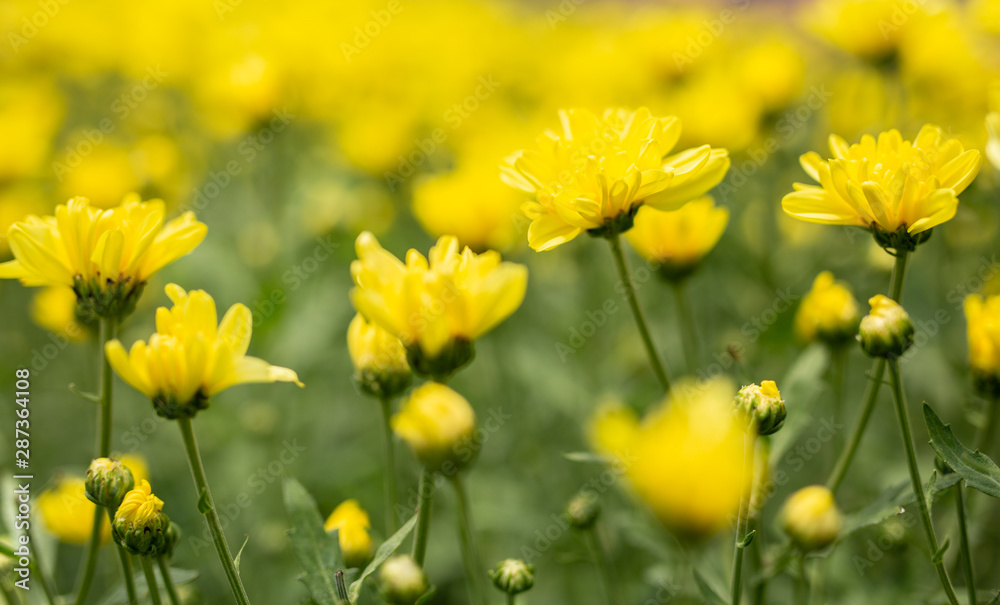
(352, 524)
(437, 306)
(677, 241)
(68, 514)
(895, 187)
(54, 308)
(599, 170)
(435, 422)
(192, 357)
(869, 29)
(982, 314)
(106, 256)
(828, 312)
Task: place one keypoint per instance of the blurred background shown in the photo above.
(290, 127)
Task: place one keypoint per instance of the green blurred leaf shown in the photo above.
(978, 470)
(707, 592)
(426, 597)
(387, 548)
(802, 388)
(118, 596)
(317, 551)
(236, 561)
(587, 458)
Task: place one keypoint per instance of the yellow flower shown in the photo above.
(685, 459)
(612, 428)
(869, 29)
(993, 145)
(106, 256)
(983, 318)
(352, 524)
(139, 505)
(190, 357)
(763, 404)
(438, 424)
(54, 308)
(379, 359)
(137, 464)
(437, 306)
(896, 188)
(140, 525)
(828, 312)
(595, 174)
(677, 241)
(811, 518)
(68, 514)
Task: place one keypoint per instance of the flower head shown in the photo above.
(403, 582)
(437, 306)
(140, 525)
(352, 524)
(513, 576)
(764, 405)
(676, 241)
(896, 188)
(887, 330)
(434, 421)
(595, 173)
(983, 318)
(68, 514)
(107, 482)
(828, 312)
(106, 256)
(811, 518)
(379, 359)
(192, 356)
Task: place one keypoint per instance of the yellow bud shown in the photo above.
(352, 524)
(811, 518)
(140, 525)
(403, 582)
(379, 359)
(887, 330)
(677, 241)
(764, 405)
(983, 318)
(434, 422)
(828, 313)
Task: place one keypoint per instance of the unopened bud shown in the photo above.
(513, 576)
(886, 331)
(403, 582)
(764, 405)
(107, 482)
(811, 519)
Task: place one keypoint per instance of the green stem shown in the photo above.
(838, 374)
(207, 507)
(126, 563)
(510, 599)
(760, 589)
(902, 415)
(474, 570)
(147, 570)
(107, 331)
(168, 581)
(689, 332)
(970, 579)
(605, 569)
(749, 442)
(803, 581)
(871, 397)
(389, 472)
(640, 319)
(426, 503)
(990, 428)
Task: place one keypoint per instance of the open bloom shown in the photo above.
(595, 174)
(437, 306)
(352, 525)
(828, 312)
(894, 187)
(106, 256)
(192, 356)
(983, 318)
(677, 241)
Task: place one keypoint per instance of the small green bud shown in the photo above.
(107, 482)
(403, 582)
(174, 534)
(583, 510)
(764, 405)
(513, 576)
(887, 330)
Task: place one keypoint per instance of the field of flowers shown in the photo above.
(494, 301)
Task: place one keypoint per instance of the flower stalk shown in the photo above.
(426, 502)
(474, 570)
(389, 472)
(154, 590)
(168, 581)
(743, 518)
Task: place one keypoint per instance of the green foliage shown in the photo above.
(317, 550)
(978, 470)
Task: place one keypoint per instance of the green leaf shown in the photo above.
(426, 597)
(88, 396)
(707, 592)
(203, 506)
(387, 548)
(747, 539)
(978, 470)
(995, 599)
(802, 387)
(6, 551)
(236, 561)
(118, 596)
(587, 458)
(317, 551)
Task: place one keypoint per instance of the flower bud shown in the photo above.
(379, 358)
(107, 482)
(810, 518)
(435, 421)
(174, 534)
(403, 582)
(444, 363)
(351, 523)
(583, 510)
(513, 576)
(140, 526)
(828, 313)
(763, 404)
(886, 331)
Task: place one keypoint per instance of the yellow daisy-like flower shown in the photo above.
(828, 312)
(106, 256)
(983, 318)
(352, 524)
(677, 241)
(896, 188)
(595, 174)
(438, 425)
(192, 356)
(438, 305)
(68, 514)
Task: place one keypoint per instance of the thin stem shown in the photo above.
(989, 429)
(474, 570)
(207, 507)
(389, 471)
(970, 576)
(126, 563)
(749, 442)
(605, 569)
(426, 502)
(168, 581)
(640, 319)
(760, 588)
(147, 570)
(689, 332)
(838, 375)
(902, 415)
(898, 275)
(510, 599)
(108, 329)
(803, 581)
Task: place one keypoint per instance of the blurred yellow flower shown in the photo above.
(897, 188)
(869, 29)
(137, 465)
(982, 314)
(811, 518)
(993, 145)
(352, 525)
(437, 306)
(68, 514)
(106, 256)
(54, 308)
(438, 424)
(595, 174)
(612, 428)
(828, 312)
(379, 358)
(677, 241)
(104, 175)
(192, 356)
